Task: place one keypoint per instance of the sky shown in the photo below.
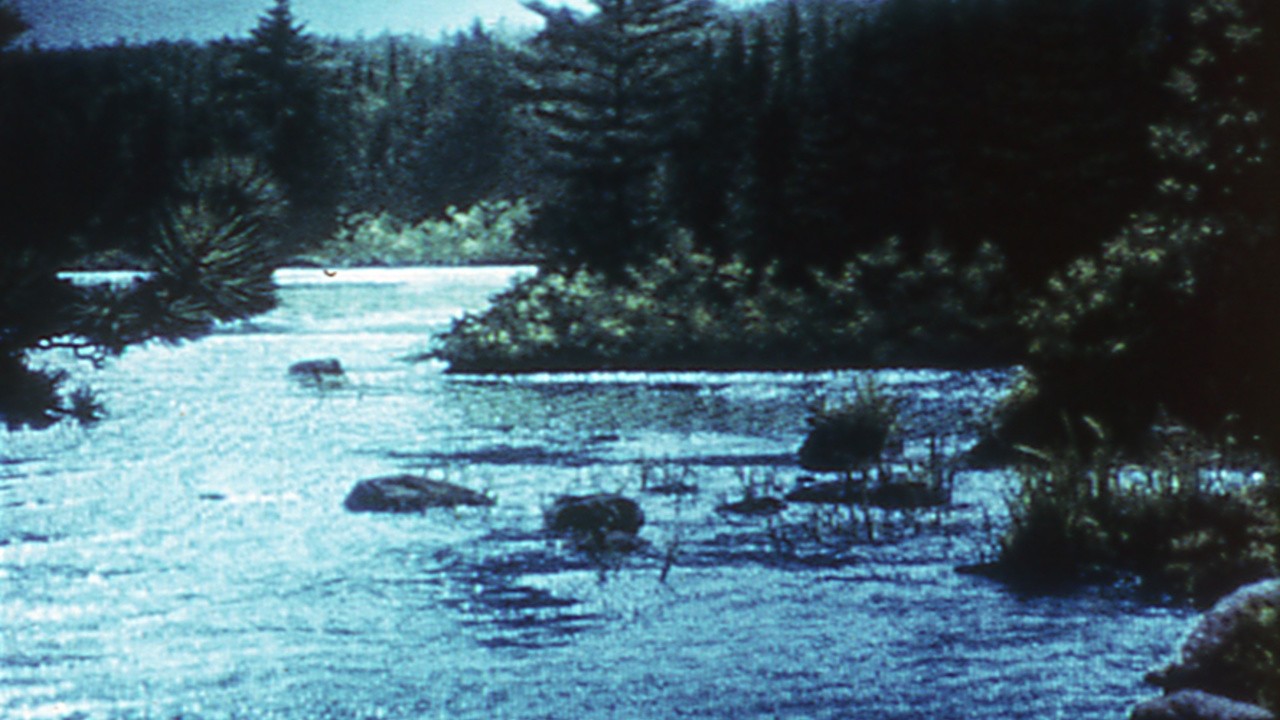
(63, 23)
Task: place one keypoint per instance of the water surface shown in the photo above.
(190, 556)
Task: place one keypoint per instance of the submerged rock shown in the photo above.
(671, 488)
(759, 506)
(318, 373)
(408, 493)
(594, 516)
(1197, 705)
(829, 492)
(897, 494)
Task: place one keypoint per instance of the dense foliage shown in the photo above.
(486, 233)
(849, 436)
(211, 262)
(804, 132)
(688, 310)
(1173, 313)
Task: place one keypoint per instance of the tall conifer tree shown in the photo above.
(610, 91)
(282, 89)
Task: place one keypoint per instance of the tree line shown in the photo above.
(799, 134)
(799, 131)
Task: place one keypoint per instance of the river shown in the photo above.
(190, 556)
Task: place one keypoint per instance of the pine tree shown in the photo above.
(288, 118)
(610, 91)
(89, 161)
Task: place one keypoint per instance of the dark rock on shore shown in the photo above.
(1229, 624)
(595, 517)
(1215, 674)
(318, 373)
(1197, 705)
(408, 493)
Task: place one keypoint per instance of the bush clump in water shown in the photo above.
(850, 436)
(1182, 525)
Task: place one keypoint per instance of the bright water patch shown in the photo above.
(190, 556)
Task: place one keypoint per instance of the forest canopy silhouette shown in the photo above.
(1081, 187)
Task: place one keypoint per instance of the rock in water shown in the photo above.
(1197, 705)
(595, 515)
(407, 493)
(318, 373)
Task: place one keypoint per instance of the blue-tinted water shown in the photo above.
(190, 556)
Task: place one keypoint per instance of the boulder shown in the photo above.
(594, 516)
(408, 493)
(1197, 705)
(318, 373)
(1205, 660)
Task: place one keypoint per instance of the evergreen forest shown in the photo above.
(1082, 187)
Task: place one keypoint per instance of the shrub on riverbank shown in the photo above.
(487, 233)
(1185, 523)
(686, 310)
